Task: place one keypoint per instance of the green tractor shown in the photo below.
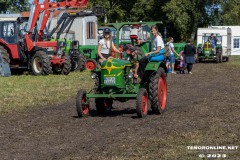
(70, 46)
(178, 47)
(206, 51)
(114, 80)
(82, 49)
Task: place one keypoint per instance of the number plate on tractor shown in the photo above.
(109, 80)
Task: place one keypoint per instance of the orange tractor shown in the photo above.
(24, 44)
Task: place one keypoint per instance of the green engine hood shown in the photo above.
(114, 63)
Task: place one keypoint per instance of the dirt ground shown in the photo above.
(203, 110)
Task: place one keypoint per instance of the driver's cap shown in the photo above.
(106, 30)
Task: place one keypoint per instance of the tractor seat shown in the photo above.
(157, 57)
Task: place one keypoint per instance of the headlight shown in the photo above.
(130, 75)
(93, 75)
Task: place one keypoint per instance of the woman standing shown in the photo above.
(189, 51)
(158, 48)
(105, 45)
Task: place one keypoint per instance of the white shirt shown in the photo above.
(171, 46)
(105, 46)
(157, 41)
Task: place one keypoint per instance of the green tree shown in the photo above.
(13, 6)
(230, 12)
(113, 9)
(185, 16)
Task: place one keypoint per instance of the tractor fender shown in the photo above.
(153, 67)
(11, 48)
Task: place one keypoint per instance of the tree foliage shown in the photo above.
(13, 6)
(230, 13)
(180, 17)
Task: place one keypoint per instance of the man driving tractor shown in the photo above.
(214, 41)
(132, 53)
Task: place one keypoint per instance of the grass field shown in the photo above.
(19, 92)
(234, 61)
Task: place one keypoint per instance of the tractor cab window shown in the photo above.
(145, 33)
(91, 30)
(125, 33)
(8, 32)
(205, 38)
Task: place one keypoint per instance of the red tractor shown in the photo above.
(29, 47)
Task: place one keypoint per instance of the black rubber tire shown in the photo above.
(103, 105)
(199, 60)
(97, 84)
(219, 53)
(5, 55)
(92, 61)
(81, 62)
(82, 109)
(227, 59)
(66, 69)
(217, 58)
(153, 91)
(74, 56)
(142, 111)
(45, 62)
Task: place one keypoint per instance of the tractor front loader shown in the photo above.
(28, 47)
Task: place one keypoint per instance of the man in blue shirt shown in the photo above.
(214, 41)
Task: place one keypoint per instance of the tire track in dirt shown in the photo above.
(206, 101)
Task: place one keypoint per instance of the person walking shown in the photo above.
(182, 63)
(189, 51)
(105, 45)
(171, 58)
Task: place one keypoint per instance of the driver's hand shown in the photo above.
(135, 75)
(147, 54)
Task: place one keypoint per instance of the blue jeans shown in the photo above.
(170, 59)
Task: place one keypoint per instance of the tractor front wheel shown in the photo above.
(81, 62)
(142, 103)
(158, 91)
(66, 66)
(40, 64)
(91, 64)
(5, 55)
(82, 103)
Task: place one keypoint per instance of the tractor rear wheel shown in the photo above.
(91, 64)
(103, 105)
(40, 64)
(227, 59)
(142, 103)
(5, 55)
(82, 103)
(81, 62)
(158, 91)
(78, 61)
(66, 66)
(217, 58)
